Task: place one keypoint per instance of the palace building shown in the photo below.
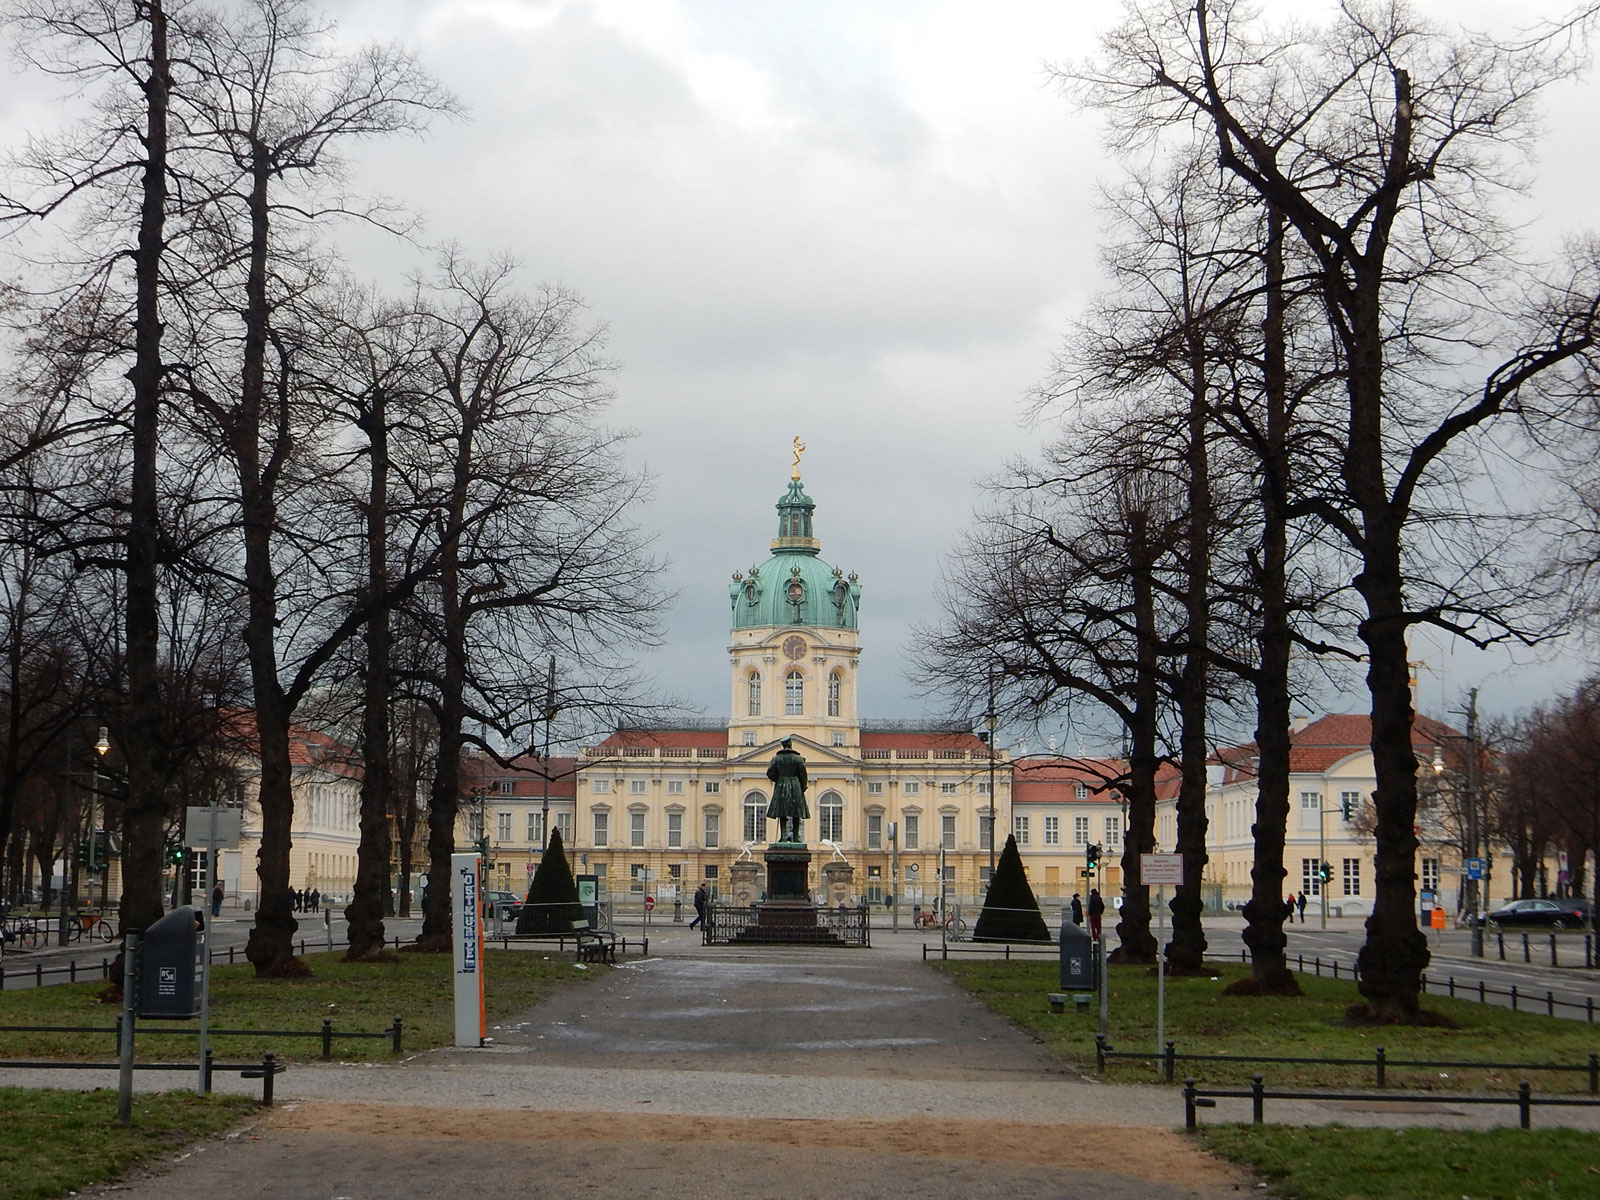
(656, 809)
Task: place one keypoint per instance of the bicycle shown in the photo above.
(93, 926)
(24, 930)
(954, 926)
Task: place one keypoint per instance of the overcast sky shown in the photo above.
(863, 223)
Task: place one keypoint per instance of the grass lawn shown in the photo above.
(58, 1142)
(1201, 1020)
(363, 997)
(1331, 1162)
(358, 996)
(1335, 1162)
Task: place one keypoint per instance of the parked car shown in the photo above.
(507, 904)
(1551, 914)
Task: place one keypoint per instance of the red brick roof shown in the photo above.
(526, 774)
(1330, 739)
(307, 747)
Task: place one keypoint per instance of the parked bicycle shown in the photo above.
(23, 929)
(954, 926)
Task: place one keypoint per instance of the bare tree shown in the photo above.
(1381, 144)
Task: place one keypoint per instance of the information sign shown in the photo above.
(1160, 869)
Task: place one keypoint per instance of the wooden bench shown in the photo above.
(593, 944)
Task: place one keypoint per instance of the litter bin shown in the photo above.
(170, 958)
(1077, 958)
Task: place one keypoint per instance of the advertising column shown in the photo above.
(471, 1023)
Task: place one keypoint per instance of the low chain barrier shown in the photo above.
(1196, 1098)
(327, 1033)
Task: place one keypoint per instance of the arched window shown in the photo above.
(755, 817)
(794, 690)
(754, 684)
(830, 814)
(834, 683)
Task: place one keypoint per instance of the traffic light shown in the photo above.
(1344, 806)
(1092, 853)
(175, 853)
(482, 846)
(1324, 872)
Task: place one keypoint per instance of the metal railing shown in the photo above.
(1196, 1098)
(327, 1034)
(727, 924)
(1380, 1062)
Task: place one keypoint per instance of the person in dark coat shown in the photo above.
(700, 898)
(1077, 909)
(1301, 905)
(216, 898)
(1288, 909)
(1097, 910)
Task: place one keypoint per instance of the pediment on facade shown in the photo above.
(812, 752)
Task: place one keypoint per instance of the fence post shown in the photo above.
(1524, 1103)
(1188, 1105)
(327, 1038)
(38, 974)
(1589, 1007)
(1553, 961)
(1317, 962)
(1482, 993)
(1100, 1053)
(1594, 1073)
(209, 1054)
(1527, 955)
(396, 1043)
(1171, 1059)
(105, 968)
(1513, 997)
(1257, 1100)
(1452, 987)
(1499, 936)
(1550, 1003)
(72, 970)
(1383, 1066)
(269, 1065)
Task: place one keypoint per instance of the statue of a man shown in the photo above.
(788, 805)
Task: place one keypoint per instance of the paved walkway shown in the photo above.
(716, 1073)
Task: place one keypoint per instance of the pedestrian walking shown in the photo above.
(314, 901)
(216, 898)
(1077, 909)
(700, 898)
(1288, 909)
(1097, 910)
(1301, 905)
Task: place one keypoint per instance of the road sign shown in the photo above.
(1161, 869)
(200, 823)
(649, 903)
(1474, 868)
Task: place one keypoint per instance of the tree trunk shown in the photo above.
(1136, 943)
(1263, 912)
(144, 817)
(1187, 950)
(365, 911)
(271, 944)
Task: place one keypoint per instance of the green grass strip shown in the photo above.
(1338, 1163)
(56, 1142)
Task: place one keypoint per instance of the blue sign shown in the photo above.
(1474, 868)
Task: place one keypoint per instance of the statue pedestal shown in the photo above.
(788, 872)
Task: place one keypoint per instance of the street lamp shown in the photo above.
(1477, 914)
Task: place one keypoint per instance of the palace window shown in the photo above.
(875, 787)
(830, 813)
(636, 787)
(755, 818)
(1080, 791)
(910, 788)
(564, 827)
(713, 787)
(913, 828)
(754, 686)
(1019, 827)
(833, 695)
(602, 829)
(949, 789)
(1310, 880)
(535, 828)
(749, 737)
(636, 830)
(675, 830)
(1352, 877)
(502, 826)
(600, 787)
(1080, 831)
(1114, 830)
(794, 692)
(1052, 831)
(874, 831)
(947, 831)
(1430, 875)
(713, 831)
(674, 787)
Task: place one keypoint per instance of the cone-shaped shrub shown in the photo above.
(1010, 912)
(552, 905)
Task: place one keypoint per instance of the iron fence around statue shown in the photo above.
(727, 924)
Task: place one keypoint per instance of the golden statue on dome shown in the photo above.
(799, 449)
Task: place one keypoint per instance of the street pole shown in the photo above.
(894, 872)
(1322, 855)
(990, 721)
(100, 747)
(549, 716)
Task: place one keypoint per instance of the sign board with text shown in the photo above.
(467, 945)
(1161, 869)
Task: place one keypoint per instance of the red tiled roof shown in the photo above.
(690, 739)
(932, 739)
(307, 747)
(1330, 739)
(526, 774)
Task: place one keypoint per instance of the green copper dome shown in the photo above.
(794, 586)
